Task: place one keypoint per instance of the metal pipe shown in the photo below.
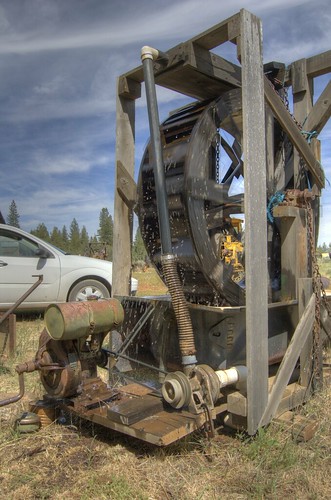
(19, 396)
(24, 296)
(147, 56)
(169, 266)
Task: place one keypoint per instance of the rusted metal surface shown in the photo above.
(8, 334)
(14, 399)
(73, 320)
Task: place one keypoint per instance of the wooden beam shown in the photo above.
(218, 34)
(212, 65)
(287, 365)
(122, 238)
(303, 91)
(292, 130)
(319, 65)
(294, 250)
(320, 113)
(126, 186)
(255, 219)
(129, 88)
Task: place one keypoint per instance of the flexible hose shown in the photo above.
(184, 322)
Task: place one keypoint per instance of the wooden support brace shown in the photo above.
(126, 186)
(319, 65)
(129, 88)
(292, 130)
(219, 34)
(286, 368)
(320, 113)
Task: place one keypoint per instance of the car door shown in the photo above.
(22, 260)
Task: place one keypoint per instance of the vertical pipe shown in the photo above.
(154, 124)
(169, 266)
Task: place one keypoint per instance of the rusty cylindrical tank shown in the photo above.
(73, 320)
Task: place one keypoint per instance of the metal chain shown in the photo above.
(317, 278)
(218, 156)
(318, 288)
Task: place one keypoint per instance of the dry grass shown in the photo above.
(83, 461)
(149, 283)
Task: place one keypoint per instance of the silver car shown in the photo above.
(23, 258)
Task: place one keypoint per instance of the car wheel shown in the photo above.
(87, 288)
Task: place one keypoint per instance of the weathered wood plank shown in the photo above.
(302, 428)
(294, 251)
(287, 365)
(218, 34)
(319, 65)
(255, 219)
(122, 239)
(212, 65)
(320, 113)
(303, 91)
(292, 130)
(129, 88)
(126, 186)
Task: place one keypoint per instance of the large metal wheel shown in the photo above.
(202, 154)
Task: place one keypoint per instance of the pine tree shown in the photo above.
(41, 232)
(65, 239)
(13, 218)
(74, 236)
(84, 241)
(105, 231)
(56, 238)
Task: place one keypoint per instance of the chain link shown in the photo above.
(218, 156)
(319, 290)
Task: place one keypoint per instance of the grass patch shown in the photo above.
(86, 461)
(149, 283)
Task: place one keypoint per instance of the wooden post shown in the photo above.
(303, 91)
(294, 248)
(122, 240)
(255, 218)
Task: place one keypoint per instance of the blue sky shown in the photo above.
(59, 60)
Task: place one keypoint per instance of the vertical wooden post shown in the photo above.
(122, 240)
(255, 218)
(303, 90)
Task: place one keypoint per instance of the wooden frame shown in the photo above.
(195, 71)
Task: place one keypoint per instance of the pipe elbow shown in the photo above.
(149, 53)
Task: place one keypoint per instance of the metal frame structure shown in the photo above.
(194, 70)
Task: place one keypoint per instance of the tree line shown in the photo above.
(76, 240)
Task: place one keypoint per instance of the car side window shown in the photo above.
(15, 245)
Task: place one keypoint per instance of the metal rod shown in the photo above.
(124, 356)
(136, 329)
(19, 396)
(21, 299)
